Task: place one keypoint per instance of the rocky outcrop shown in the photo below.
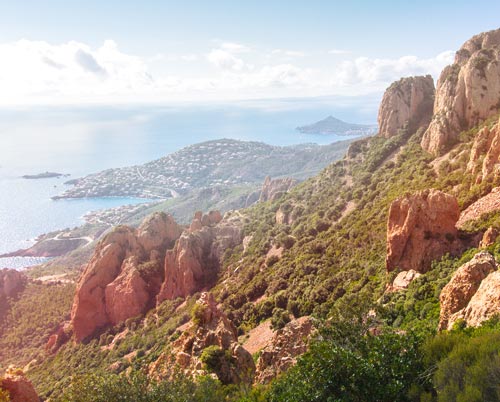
(403, 280)
(195, 259)
(489, 237)
(123, 276)
(467, 92)
(272, 189)
(485, 153)
(282, 350)
(465, 282)
(11, 282)
(59, 337)
(20, 389)
(210, 333)
(420, 229)
(488, 203)
(406, 103)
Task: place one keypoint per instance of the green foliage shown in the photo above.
(213, 357)
(30, 319)
(353, 366)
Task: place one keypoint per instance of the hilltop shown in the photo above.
(332, 125)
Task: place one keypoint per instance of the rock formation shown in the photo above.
(488, 203)
(20, 389)
(406, 103)
(59, 337)
(195, 259)
(123, 276)
(464, 284)
(282, 350)
(11, 282)
(485, 153)
(132, 270)
(272, 189)
(403, 280)
(468, 91)
(420, 229)
(211, 328)
(489, 237)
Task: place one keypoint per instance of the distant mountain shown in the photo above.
(332, 125)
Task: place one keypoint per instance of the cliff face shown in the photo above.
(123, 276)
(420, 229)
(195, 259)
(467, 92)
(472, 293)
(407, 102)
(132, 270)
(485, 153)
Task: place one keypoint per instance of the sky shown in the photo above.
(121, 51)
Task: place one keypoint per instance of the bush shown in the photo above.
(280, 318)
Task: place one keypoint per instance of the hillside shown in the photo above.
(332, 125)
(377, 279)
(214, 163)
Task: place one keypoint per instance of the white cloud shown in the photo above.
(338, 51)
(288, 53)
(74, 72)
(369, 71)
(225, 60)
(234, 47)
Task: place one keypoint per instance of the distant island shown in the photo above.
(45, 175)
(332, 125)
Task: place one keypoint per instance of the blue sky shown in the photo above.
(155, 51)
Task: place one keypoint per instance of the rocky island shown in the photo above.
(332, 125)
(44, 175)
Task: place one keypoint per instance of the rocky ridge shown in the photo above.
(468, 91)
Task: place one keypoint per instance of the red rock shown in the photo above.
(212, 328)
(195, 260)
(485, 153)
(467, 91)
(464, 283)
(488, 203)
(272, 189)
(124, 275)
(489, 237)
(11, 282)
(406, 103)
(20, 389)
(420, 229)
(282, 350)
(59, 337)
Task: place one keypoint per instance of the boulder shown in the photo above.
(467, 91)
(403, 280)
(464, 283)
(420, 229)
(488, 203)
(11, 282)
(20, 389)
(489, 237)
(484, 157)
(407, 103)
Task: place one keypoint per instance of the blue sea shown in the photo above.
(79, 141)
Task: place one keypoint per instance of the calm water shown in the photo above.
(86, 140)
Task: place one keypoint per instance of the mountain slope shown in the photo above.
(332, 125)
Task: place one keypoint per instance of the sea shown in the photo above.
(80, 140)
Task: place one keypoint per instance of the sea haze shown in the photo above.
(79, 141)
